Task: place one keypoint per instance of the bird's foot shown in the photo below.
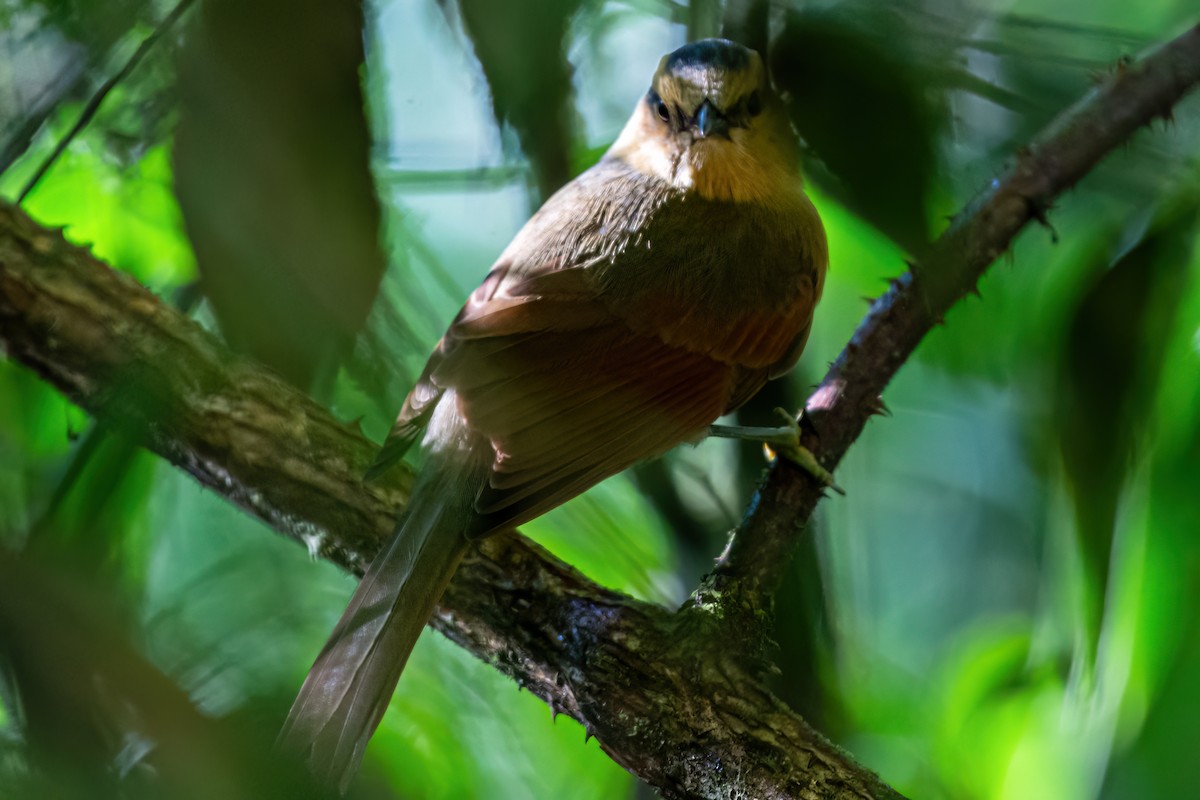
(782, 441)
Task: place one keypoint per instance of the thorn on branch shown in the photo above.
(1038, 212)
(1120, 68)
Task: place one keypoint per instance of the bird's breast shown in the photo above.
(734, 280)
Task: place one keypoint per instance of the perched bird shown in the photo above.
(655, 292)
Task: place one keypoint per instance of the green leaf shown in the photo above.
(1110, 370)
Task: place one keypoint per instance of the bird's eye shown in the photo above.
(754, 105)
(663, 112)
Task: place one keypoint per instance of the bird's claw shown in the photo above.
(787, 444)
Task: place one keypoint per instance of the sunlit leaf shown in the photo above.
(1111, 365)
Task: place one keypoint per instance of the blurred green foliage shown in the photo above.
(272, 171)
(1009, 592)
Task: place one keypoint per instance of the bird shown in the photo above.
(655, 292)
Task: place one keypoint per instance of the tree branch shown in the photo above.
(666, 694)
(951, 267)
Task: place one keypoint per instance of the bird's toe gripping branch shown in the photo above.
(782, 441)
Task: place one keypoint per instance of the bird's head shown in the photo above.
(711, 123)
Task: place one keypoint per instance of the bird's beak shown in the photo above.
(709, 122)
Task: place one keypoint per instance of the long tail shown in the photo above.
(349, 686)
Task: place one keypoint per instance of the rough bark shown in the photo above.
(674, 697)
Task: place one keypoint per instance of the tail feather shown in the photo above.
(349, 686)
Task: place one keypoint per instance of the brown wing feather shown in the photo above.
(482, 310)
(748, 381)
(568, 394)
(566, 408)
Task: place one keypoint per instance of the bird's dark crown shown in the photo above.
(719, 53)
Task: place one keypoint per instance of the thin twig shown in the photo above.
(93, 104)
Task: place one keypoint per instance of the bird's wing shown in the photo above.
(748, 380)
(567, 394)
(492, 311)
(411, 422)
(414, 415)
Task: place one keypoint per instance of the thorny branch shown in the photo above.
(1133, 97)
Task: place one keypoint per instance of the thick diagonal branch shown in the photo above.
(660, 691)
(663, 692)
